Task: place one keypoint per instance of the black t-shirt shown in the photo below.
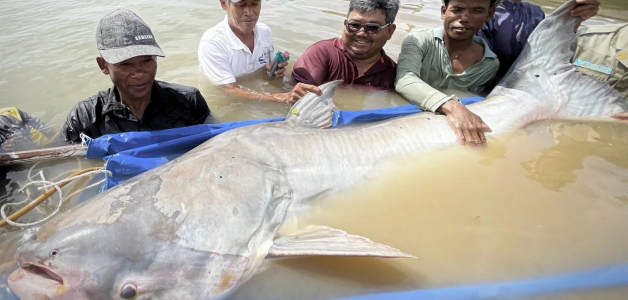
(171, 106)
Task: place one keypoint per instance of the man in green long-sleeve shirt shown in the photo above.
(450, 57)
(425, 51)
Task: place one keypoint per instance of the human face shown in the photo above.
(462, 19)
(361, 45)
(133, 77)
(242, 15)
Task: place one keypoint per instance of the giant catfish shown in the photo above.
(201, 225)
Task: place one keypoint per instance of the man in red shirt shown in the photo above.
(357, 58)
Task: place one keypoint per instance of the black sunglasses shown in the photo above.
(369, 28)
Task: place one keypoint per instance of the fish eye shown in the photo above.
(128, 291)
(54, 252)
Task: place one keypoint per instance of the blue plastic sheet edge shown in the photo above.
(132, 153)
(606, 277)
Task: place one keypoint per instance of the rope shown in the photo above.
(30, 170)
(84, 139)
(52, 187)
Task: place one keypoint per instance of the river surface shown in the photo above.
(551, 198)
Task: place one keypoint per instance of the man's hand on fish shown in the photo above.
(298, 92)
(623, 118)
(468, 127)
(585, 9)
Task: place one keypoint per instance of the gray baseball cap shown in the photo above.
(122, 35)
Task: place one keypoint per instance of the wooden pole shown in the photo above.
(44, 196)
(27, 156)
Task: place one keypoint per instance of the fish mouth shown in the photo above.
(32, 281)
(42, 272)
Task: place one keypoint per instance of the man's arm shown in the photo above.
(408, 82)
(311, 67)
(290, 97)
(623, 118)
(467, 126)
(215, 64)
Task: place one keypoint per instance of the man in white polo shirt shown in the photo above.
(240, 45)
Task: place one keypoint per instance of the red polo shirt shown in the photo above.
(328, 60)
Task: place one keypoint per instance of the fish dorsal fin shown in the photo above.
(325, 241)
(312, 110)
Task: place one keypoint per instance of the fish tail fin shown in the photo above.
(312, 110)
(546, 62)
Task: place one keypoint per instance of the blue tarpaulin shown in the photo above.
(606, 277)
(132, 153)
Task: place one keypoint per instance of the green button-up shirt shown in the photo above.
(424, 68)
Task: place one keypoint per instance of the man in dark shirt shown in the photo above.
(512, 24)
(357, 58)
(136, 102)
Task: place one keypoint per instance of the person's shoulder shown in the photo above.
(326, 44)
(492, 63)
(214, 42)
(264, 32)
(603, 29)
(421, 34)
(178, 88)
(605, 38)
(86, 111)
(97, 100)
(185, 96)
(485, 47)
(215, 33)
(423, 31)
(422, 38)
(320, 51)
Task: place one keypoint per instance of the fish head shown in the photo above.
(55, 267)
(146, 239)
(84, 262)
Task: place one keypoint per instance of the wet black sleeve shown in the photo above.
(201, 111)
(9, 127)
(77, 122)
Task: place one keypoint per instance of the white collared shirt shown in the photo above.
(222, 56)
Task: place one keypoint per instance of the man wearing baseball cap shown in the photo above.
(136, 102)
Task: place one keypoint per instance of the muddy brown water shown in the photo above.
(548, 199)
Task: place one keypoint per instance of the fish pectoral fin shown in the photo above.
(312, 110)
(325, 241)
